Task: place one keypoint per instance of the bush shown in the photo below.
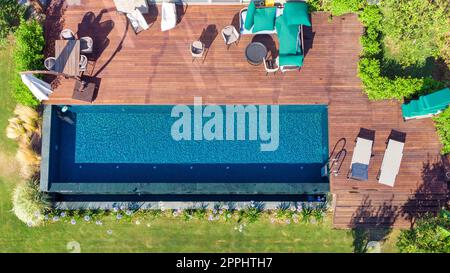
(371, 17)
(340, 7)
(28, 55)
(314, 5)
(29, 204)
(24, 128)
(415, 29)
(431, 234)
(442, 123)
(378, 87)
(10, 14)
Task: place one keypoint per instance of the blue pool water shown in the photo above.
(115, 146)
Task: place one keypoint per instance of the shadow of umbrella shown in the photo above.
(269, 42)
(92, 26)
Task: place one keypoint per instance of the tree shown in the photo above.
(431, 234)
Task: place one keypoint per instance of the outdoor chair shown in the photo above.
(392, 158)
(137, 21)
(168, 16)
(86, 45)
(83, 63)
(230, 35)
(67, 34)
(49, 63)
(359, 166)
(197, 49)
(270, 66)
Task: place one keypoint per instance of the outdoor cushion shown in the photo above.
(291, 60)
(264, 19)
(427, 105)
(249, 19)
(360, 171)
(288, 37)
(296, 13)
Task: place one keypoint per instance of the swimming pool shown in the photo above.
(131, 150)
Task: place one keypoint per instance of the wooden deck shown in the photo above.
(155, 67)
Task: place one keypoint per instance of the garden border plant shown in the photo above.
(304, 212)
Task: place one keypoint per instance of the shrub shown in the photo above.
(29, 161)
(28, 55)
(24, 127)
(340, 7)
(371, 17)
(29, 204)
(314, 5)
(431, 234)
(415, 29)
(10, 14)
(442, 123)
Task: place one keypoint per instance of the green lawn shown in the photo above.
(166, 234)
(7, 103)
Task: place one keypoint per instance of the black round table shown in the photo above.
(255, 53)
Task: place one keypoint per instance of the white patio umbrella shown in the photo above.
(40, 89)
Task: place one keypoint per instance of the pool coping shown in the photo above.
(45, 148)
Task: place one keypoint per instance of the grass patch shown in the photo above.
(7, 103)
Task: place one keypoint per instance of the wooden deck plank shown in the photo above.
(155, 67)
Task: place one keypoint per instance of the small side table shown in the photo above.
(84, 92)
(255, 53)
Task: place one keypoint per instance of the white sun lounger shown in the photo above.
(168, 16)
(137, 21)
(359, 167)
(391, 162)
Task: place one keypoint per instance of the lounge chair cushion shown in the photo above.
(288, 37)
(249, 18)
(360, 171)
(291, 60)
(296, 13)
(264, 19)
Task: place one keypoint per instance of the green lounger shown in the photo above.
(427, 106)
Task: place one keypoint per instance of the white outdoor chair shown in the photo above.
(83, 63)
(390, 166)
(168, 16)
(197, 49)
(359, 166)
(270, 66)
(137, 21)
(49, 63)
(67, 34)
(230, 35)
(86, 45)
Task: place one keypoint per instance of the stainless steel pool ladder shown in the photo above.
(335, 160)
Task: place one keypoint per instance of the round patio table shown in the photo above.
(255, 53)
